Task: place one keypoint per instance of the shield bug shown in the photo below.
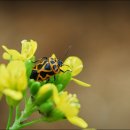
(45, 68)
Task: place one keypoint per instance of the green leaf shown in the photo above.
(29, 65)
(63, 78)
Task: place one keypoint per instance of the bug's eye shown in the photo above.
(60, 63)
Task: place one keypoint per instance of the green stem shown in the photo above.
(37, 121)
(25, 98)
(17, 112)
(29, 109)
(10, 117)
(32, 122)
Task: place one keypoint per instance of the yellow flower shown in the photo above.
(76, 65)
(13, 80)
(69, 105)
(27, 51)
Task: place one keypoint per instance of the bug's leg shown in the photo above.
(64, 71)
(44, 58)
(47, 80)
(66, 65)
(54, 78)
(40, 59)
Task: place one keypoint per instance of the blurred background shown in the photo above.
(99, 33)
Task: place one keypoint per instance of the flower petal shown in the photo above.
(80, 82)
(68, 104)
(6, 56)
(16, 95)
(55, 95)
(28, 48)
(4, 76)
(11, 54)
(78, 121)
(75, 64)
(65, 68)
(18, 78)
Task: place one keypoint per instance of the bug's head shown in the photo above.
(60, 63)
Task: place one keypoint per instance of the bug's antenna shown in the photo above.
(66, 53)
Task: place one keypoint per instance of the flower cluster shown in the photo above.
(48, 97)
(13, 77)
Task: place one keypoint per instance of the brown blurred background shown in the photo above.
(99, 33)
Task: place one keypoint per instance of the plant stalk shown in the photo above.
(10, 117)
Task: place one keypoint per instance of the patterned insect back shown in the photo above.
(45, 68)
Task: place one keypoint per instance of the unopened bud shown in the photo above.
(44, 93)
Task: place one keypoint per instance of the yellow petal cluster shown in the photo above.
(13, 80)
(76, 65)
(27, 51)
(69, 105)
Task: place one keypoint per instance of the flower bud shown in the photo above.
(57, 114)
(46, 107)
(30, 82)
(44, 93)
(34, 88)
(60, 87)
